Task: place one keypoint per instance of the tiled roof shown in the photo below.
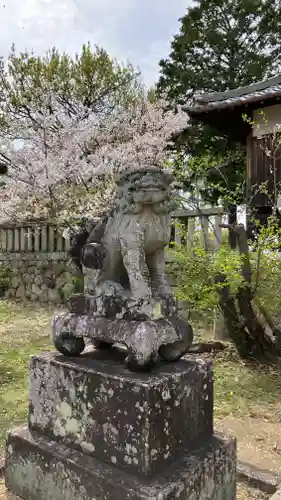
(241, 96)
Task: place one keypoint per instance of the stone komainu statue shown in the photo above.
(131, 301)
(127, 244)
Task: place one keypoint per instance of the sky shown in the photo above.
(139, 31)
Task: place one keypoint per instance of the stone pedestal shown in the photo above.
(98, 432)
(146, 338)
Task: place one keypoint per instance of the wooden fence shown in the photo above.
(44, 236)
(204, 223)
(35, 237)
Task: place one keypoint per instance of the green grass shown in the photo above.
(24, 330)
(246, 389)
(240, 389)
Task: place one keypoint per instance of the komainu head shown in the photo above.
(144, 186)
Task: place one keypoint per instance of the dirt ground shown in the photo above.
(6, 495)
(243, 493)
(258, 440)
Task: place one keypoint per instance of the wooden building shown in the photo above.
(261, 102)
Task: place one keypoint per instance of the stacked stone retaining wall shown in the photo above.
(43, 277)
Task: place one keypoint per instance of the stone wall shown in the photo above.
(43, 277)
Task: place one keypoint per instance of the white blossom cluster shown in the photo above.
(69, 160)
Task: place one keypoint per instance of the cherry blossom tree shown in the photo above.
(64, 165)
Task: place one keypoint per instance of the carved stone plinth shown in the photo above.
(145, 339)
(97, 431)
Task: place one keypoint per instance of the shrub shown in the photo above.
(194, 272)
(5, 278)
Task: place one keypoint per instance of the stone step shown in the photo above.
(40, 469)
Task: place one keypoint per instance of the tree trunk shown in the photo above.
(249, 337)
(261, 343)
(232, 320)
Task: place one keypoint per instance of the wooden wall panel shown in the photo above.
(264, 168)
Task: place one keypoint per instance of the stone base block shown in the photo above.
(38, 469)
(140, 423)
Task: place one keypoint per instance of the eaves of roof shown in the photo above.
(242, 96)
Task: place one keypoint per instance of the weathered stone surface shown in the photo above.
(78, 303)
(140, 423)
(114, 304)
(127, 244)
(20, 291)
(143, 338)
(263, 480)
(38, 469)
(38, 276)
(54, 296)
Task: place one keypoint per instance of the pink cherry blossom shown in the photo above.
(66, 163)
